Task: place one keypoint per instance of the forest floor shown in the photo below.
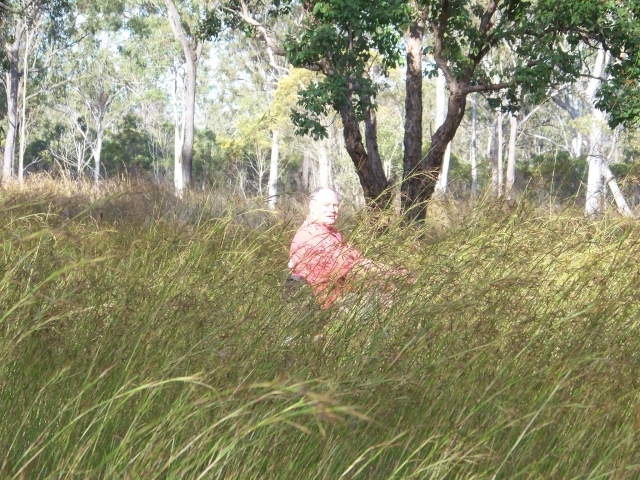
(143, 337)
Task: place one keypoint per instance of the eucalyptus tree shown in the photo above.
(473, 150)
(188, 24)
(587, 124)
(511, 156)
(98, 97)
(159, 65)
(340, 40)
(599, 171)
(20, 20)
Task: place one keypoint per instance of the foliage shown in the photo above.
(341, 39)
(560, 174)
(127, 149)
(39, 146)
(208, 160)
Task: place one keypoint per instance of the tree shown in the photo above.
(546, 37)
(474, 146)
(192, 27)
(599, 170)
(160, 70)
(497, 177)
(340, 40)
(192, 51)
(98, 98)
(511, 157)
(19, 18)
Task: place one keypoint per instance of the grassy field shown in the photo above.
(143, 337)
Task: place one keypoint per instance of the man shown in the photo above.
(321, 257)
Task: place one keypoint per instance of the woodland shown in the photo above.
(265, 99)
(157, 160)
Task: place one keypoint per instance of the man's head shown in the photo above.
(324, 206)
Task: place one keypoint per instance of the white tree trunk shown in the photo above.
(593, 203)
(191, 59)
(441, 112)
(23, 121)
(12, 51)
(621, 203)
(594, 200)
(576, 145)
(496, 171)
(511, 159)
(178, 178)
(599, 171)
(97, 151)
(324, 168)
(189, 120)
(273, 172)
(474, 145)
(305, 171)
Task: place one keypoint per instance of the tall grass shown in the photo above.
(154, 341)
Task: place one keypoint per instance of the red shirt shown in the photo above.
(319, 255)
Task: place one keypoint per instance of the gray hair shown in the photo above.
(316, 193)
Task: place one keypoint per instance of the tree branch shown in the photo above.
(48, 89)
(485, 88)
(176, 26)
(568, 108)
(6, 7)
(438, 31)
(546, 139)
(272, 44)
(485, 22)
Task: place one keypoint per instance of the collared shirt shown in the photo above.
(319, 254)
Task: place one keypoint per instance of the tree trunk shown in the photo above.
(383, 199)
(441, 105)
(413, 114)
(595, 193)
(323, 161)
(189, 118)
(305, 172)
(599, 171)
(474, 146)
(511, 159)
(12, 51)
(273, 172)
(368, 166)
(424, 177)
(23, 121)
(621, 203)
(496, 172)
(178, 178)
(593, 204)
(576, 145)
(97, 152)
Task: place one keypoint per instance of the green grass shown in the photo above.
(155, 343)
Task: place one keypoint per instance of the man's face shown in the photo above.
(324, 208)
